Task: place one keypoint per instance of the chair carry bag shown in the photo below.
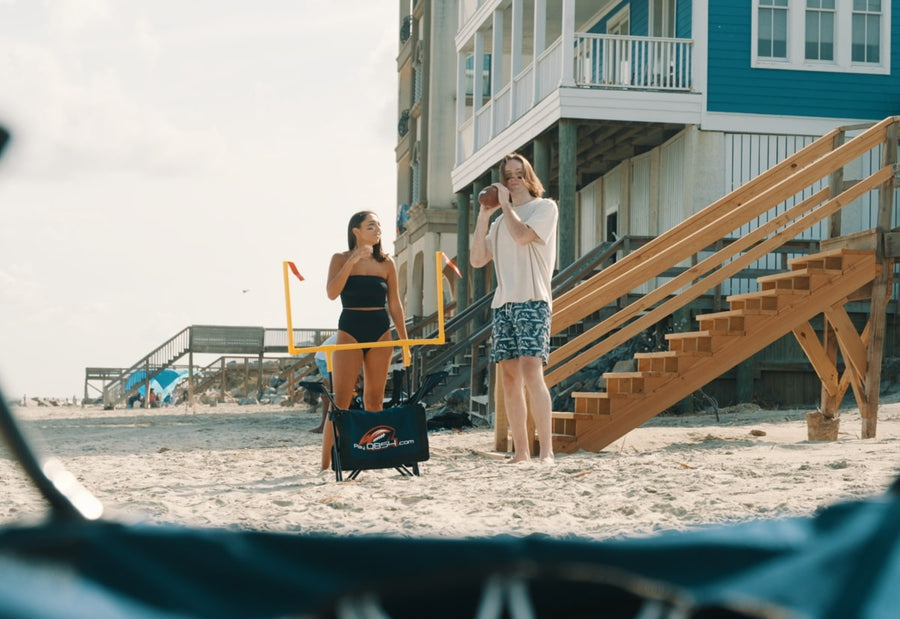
(393, 438)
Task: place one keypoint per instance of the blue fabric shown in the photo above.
(845, 562)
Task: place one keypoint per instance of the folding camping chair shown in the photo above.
(396, 437)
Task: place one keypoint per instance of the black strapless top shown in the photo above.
(364, 291)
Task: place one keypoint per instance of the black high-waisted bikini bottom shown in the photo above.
(364, 325)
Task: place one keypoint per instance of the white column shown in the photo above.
(429, 293)
(496, 53)
(540, 43)
(567, 73)
(517, 32)
(460, 102)
(477, 94)
(699, 29)
(496, 67)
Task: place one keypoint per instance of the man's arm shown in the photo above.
(479, 254)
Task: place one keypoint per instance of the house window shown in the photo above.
(819, 30)
(662, 18)
(772, 28)
(866, 30)
(850, 36)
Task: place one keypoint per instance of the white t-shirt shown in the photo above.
(524, 272)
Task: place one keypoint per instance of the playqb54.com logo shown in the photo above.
(381, 437)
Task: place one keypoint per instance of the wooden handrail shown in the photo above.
(717, 260)
(732, 211)
(428, 359)
(796, 173)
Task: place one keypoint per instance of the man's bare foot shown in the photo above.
(317, 430)
(548, 459)
(517, 459)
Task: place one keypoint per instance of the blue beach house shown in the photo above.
(638, 115)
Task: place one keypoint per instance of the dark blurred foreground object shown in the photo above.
(844, 563)
(4, 138)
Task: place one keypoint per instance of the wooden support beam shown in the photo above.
(501, 421)
(852, 349)
(823, 365)
(881, 286)
(849, 376)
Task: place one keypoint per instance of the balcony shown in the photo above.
(618, 68)
(642, 63)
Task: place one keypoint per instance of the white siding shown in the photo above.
(746, 156)
(671, 190)
(639, 213)
(671, 184)
(590, 216)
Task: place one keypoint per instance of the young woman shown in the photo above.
(365, 278)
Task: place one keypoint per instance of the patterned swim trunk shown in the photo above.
(521, 330)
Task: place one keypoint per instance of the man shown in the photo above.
(522, 244)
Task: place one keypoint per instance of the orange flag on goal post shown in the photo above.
(450, 264)
(295, 271)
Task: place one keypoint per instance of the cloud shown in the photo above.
(69, 17)
(75, 116)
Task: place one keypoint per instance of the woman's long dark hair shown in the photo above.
(356, 222)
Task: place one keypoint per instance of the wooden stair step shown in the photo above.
(796, 281)
(818, 264)
(620, 384)
(564, 424)
(831, 261)
(591, 402)
(570, 415)
(732, 322)
(766, 302)
(663, 362)
(694, 342)
(760, 303)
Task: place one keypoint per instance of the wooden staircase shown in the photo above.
(758, 219)
(813, 285)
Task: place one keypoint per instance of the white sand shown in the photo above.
(256, 468)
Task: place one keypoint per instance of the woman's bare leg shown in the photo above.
(344, 372)
(376, 364)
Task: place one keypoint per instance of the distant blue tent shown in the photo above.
(163, 383)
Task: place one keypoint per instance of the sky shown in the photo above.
(167, 156)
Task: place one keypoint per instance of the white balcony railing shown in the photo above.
(648, 63)
(600, 61)
(523, 94)
(501, 107)
(549, 70)
(482, 127)
(465, 145)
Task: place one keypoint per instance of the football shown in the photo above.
(489, 196)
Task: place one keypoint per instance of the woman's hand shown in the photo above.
(361, 252)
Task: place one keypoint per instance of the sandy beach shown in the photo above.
(256, 467)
